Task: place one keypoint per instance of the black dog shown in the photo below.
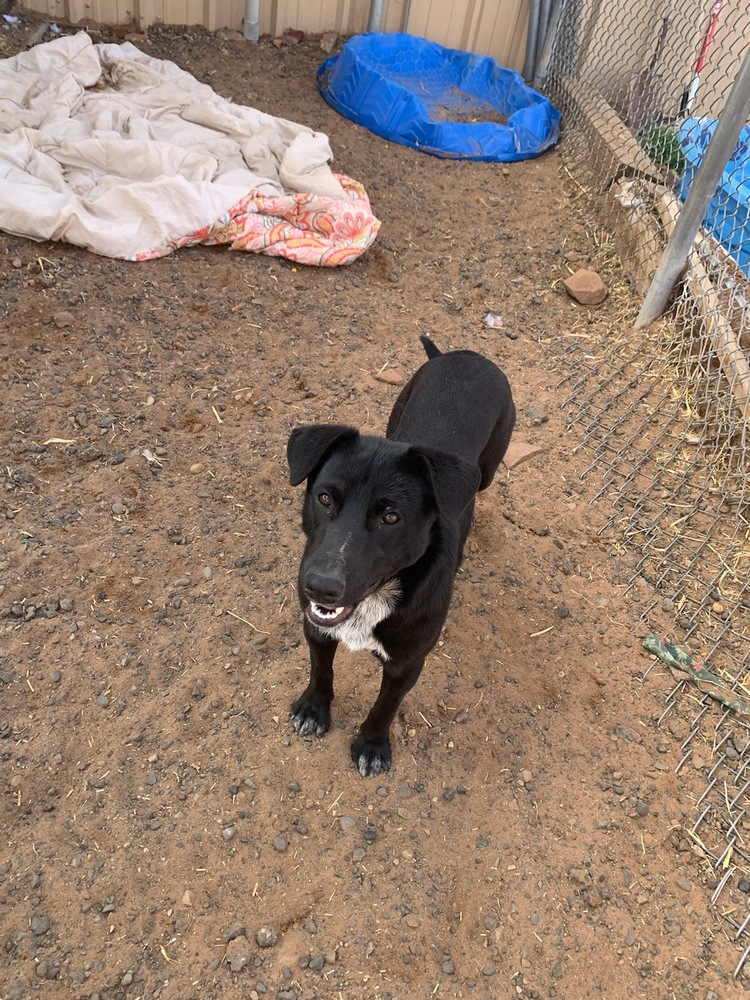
(386, 520)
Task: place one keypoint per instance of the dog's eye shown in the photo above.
(391, 517)
(325, 499)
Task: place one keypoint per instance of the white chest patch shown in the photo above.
(356, 631)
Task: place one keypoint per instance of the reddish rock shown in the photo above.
(390, 376)
(586, 287)
(63, 319)
(518, 452)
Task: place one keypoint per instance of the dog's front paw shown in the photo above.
(308, 717)
(371, 759)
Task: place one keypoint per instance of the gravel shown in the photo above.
(266, 936)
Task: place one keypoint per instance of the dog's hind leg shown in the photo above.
(371, 750)
(311, 712)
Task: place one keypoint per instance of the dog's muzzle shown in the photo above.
(323, 616)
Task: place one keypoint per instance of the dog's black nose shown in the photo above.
(325, 590)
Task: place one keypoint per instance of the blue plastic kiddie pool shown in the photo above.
(442, 101)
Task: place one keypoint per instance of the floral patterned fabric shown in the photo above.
(305, 228)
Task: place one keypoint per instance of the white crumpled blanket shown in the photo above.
(131, 157)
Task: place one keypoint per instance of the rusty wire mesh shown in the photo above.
(665, 411)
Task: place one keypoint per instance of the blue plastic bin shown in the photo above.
(420, 94)
(728, 215)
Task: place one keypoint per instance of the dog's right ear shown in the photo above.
(308, 446)
(454, 481)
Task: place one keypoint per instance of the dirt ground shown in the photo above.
(165, 833)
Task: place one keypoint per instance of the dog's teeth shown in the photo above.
(322, 612)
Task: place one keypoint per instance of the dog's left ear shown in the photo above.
(308, 446)
(454, 481)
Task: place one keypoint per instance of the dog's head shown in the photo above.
(371, 510)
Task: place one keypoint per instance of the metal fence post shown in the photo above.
(731, 122)
(542, 67)
(531, 40)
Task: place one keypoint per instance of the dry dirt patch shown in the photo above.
(165, 831)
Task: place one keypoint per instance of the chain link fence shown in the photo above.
(665, 410)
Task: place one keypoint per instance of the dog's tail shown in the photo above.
(430, 349)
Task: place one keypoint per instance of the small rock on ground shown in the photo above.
(586, 287)
(518, 452)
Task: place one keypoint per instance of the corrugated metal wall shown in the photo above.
(490, 27)
(212, 14)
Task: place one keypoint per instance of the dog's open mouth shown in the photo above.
(327, 617)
